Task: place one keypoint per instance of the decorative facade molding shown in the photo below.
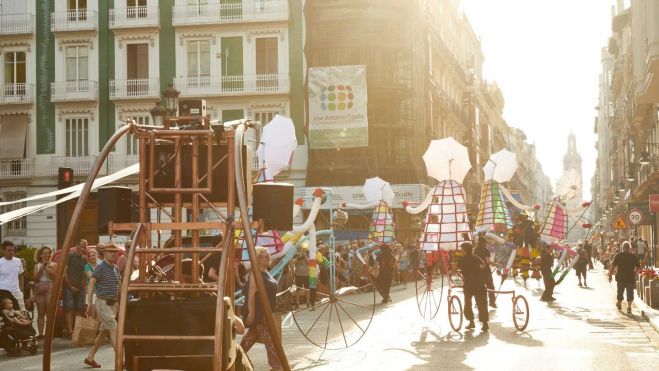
(124, 37)
(126, 112)
(63, 113)
(18, 112)
(197, 35)
(16, 44)
(62, 43)
(266, 32)
(267, 107)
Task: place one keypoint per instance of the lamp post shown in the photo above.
(160, 112)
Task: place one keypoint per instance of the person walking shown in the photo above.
(589, 250)
(105, 283)
(625, 265)
(74, 296)
(581, 266)
(11, 273)
(474, 286)
(484, 254)
(253, 312)
(44, 272)
(403, 266)
(546, 264)
(641, 250)
(386, 271)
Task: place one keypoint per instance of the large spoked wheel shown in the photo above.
(338, 319)
(520, 312)
(455, 312)
(428, 294)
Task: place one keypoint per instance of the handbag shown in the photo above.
(85, 330)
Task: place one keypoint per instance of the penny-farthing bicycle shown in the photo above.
(345, 302)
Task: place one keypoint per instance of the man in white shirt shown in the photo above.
(11, 273)
(641, 250)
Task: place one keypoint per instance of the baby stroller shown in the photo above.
(15, 338)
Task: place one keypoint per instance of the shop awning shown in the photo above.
(13, 130)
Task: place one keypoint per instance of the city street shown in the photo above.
(581, 330)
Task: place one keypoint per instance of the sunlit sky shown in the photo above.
(545, 57)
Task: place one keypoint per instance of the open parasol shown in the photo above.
(278, 141)
(446, 159)
(501, 166)
(569, 183)
(376, 189)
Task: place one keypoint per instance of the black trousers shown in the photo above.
(480, 295)
(549, 286)
(383, 282)
(489, 284)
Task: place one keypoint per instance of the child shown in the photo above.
(14, 317)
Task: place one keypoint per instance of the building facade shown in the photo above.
(75, 70)
(627, 124)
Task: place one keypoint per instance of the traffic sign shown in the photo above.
(619, 223)
(635, 216)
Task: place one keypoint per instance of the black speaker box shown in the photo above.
(273, 202)
(165, 176)
(114, 204)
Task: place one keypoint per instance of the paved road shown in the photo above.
(582, 330)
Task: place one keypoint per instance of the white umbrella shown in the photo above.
(277, 144)
(377, 189)
(447, 159)
(569, 183)
(501, 166)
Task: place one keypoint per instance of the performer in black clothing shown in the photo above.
(484, 254)
(474, 286)
(546, 263)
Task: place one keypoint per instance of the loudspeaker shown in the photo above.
(165, 176)
(113, 205)
(273, 202)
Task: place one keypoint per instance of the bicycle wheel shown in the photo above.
(455, 312)
(455, 277)
(428, 295)
(338, 319)
(520, 312)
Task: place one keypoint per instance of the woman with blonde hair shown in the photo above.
(44, 271)
(253, 313)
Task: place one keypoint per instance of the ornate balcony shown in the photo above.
(199, 86)
(74, 20)
(246, 11)
(71, 91)
(16, 24)
(134, 89)
(134, 17)
(19, 168)
(17, 94)
(118, 162)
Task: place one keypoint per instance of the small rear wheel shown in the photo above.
(32, 348)
(455, 312)
(520, 312)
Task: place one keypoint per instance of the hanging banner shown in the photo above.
(338, 107)
(413, 193)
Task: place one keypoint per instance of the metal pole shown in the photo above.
(244, 216)
(68, 239)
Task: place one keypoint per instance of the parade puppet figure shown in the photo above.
(556, 225)
(494, 216)
(446, 224)
(379, 197)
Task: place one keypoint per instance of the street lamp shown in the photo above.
(158, 113)
(171, 99)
